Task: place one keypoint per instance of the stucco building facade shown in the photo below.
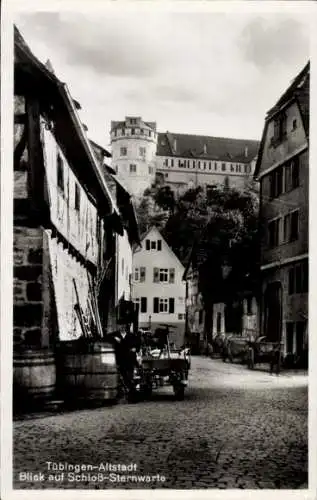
(283, 172)
(158, 286)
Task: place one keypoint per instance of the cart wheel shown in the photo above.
(251, 359)
(179, 391)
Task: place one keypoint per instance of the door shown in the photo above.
(273, 312)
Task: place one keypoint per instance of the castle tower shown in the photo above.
(133, 147)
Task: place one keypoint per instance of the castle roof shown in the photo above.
(206, 147)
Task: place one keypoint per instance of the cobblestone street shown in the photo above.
(235, 429)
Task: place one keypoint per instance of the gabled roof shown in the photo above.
(298, 90)
(154, 228)
(206, 147)
(33, 77)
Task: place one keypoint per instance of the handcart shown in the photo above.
(263, 351)
(160, 365)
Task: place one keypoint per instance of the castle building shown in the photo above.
(133, 147)
(141, 155)
(186, 161)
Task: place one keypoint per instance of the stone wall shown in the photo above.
(28, 286)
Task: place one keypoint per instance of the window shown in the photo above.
(215, 165)
(199, 164)
(142, 131)
(223, 167)
(163, 275)
(166, 162)
(238, 168)
(77, 197)
(166, 176)
(132, 167)
(291, 227)
(172, 162)
(132, 131)
(291, 281)
(163, 305)
(205, 165)
(60, 173)
(194, 164)
(232, 167)
(150, 170)
(181, 316)
(150, 133)
(210, 165)
(133, 121)
(247, 169)
(274, 233)
(279, 129)
(298, 278)
(123, 151)
(159, 245)
(295, 172)
(142, 151)
(123, 133)
(294, 125)
(226, 182)
(147, 244)
(153, 245)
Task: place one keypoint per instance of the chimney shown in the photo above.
(49, 66)
(175, 145)
(205, 149)
(246, 151)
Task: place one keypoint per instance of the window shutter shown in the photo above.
(156, 275)
(155, 305)
(143, 304)
(147, 244)
(159, 245)
(171, 305)
(142, 273)
(172, 275)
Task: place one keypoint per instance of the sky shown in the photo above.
(206, 73)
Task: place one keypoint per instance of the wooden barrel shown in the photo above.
(34, 375)
(91, 375)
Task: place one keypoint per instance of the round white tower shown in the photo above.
(133, 147)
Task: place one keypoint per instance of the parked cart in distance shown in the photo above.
(263, 351)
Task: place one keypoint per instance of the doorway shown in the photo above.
(273, 312)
